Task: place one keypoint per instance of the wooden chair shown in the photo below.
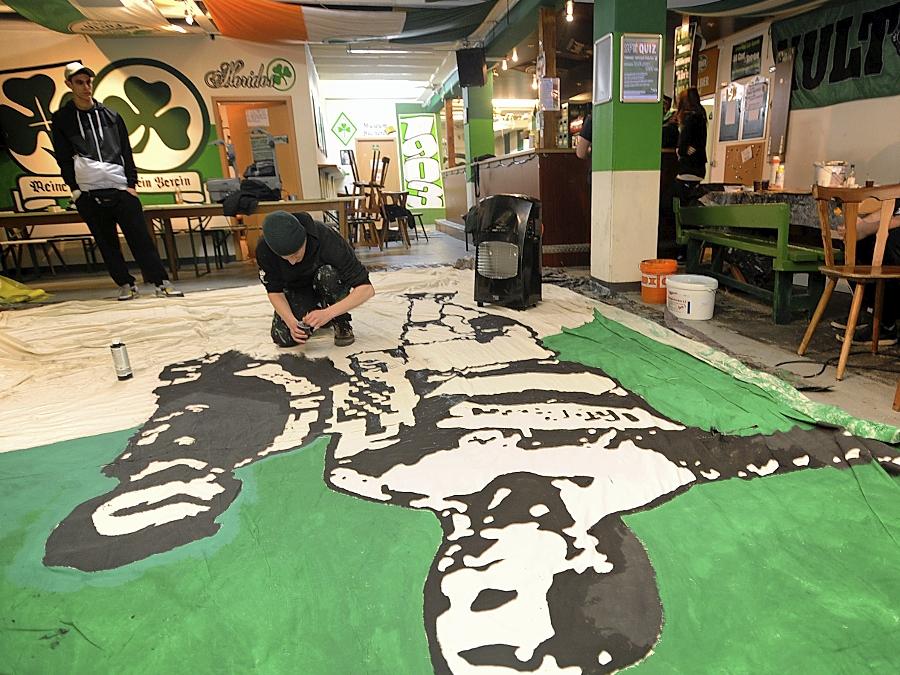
(860, 275)
(362, 213)
(390, 215)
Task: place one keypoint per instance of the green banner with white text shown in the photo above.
(844, 52)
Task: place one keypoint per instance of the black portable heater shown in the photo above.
(508, 251)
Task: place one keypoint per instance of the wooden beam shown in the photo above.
(547, 47)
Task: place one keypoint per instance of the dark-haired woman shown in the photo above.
(691, 119)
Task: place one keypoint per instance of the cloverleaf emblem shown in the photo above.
(142, 109)
(343, 128)
(281, 72)
(33, 94)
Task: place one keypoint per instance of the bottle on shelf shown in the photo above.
(851, 177)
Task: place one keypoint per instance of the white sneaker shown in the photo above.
(128, 292)
(167, 290)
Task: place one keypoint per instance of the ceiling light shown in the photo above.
(515, 55)
(570, 10)
(357, 50)
(505, 65)
(189, 19)
(534, 83)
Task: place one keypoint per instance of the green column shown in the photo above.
(479, 125)
(625, 151)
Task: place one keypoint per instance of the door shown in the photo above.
(387, 147)
(237, 122)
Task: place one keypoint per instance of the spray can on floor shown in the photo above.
(120, 359)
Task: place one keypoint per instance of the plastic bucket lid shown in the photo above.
(692, 282)
(659, 265)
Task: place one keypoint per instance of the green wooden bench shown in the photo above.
(756, 228)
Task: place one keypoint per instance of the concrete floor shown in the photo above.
(741, 327)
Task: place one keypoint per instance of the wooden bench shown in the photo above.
(762, 229)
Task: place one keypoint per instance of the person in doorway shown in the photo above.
(670, 127)
(866, 227)
(583, 141)
(91, 146)
(691, 120)
(312, 278)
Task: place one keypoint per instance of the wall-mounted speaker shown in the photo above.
(471, 66)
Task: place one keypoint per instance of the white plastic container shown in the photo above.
(691, 296)
(831, 174)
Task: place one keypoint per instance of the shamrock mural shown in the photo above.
(25, 116)
(142, 110)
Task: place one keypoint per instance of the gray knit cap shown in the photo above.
(283, 232)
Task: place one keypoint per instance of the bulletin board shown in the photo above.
(745, 162)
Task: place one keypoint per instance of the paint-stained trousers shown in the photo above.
(327, 289)
(102, 210)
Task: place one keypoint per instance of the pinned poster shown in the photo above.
(730, 109)
(756, 105)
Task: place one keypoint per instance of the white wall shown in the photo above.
(865, 133)
(372, 118)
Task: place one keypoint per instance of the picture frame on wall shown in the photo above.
(345, 158)
(756, 105)
(640, 71)
(603, 77)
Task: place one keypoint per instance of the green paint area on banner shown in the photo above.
(785, 574)
(299, 578)
(675, 383)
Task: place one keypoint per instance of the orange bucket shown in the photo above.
(653, 279)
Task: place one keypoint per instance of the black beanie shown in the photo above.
(283, 232)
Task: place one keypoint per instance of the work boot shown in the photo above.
(128, 292)
(343, 334)
(167, 290)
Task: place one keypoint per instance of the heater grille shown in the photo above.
(498, 259)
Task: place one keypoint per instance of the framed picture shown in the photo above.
(345, 158)
(603, 62)
(641, 69)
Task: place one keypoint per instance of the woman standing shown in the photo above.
(691, 119)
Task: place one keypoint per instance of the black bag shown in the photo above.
(245, 200)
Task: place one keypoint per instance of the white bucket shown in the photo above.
(691, 296)
(831, 174)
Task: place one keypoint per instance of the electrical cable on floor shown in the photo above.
(833, 361)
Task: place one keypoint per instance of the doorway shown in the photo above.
(241, 123)
(386, 147)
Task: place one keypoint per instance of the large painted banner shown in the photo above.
(844, 52)
(464, 490)
(420, 157)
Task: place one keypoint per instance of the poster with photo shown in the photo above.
(732, 99)
(756, 104)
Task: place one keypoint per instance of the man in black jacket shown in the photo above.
(312, 278)
(91, 145)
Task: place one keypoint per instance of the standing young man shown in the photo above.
(312, 278)
(94, 155)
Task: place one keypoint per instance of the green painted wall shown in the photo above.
(626, 136)
(479, 126)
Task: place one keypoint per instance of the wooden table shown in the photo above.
(162, 215)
